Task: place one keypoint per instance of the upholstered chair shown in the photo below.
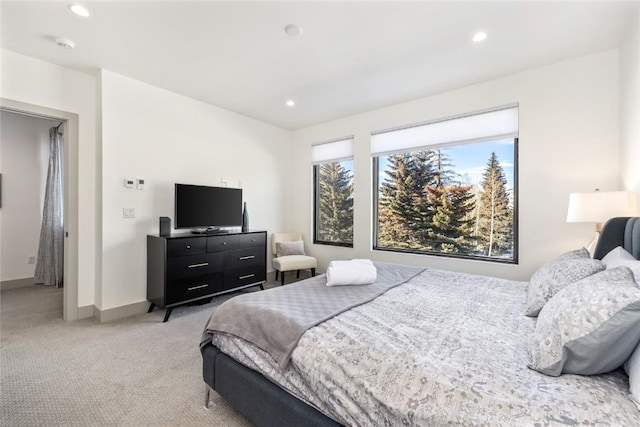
(289, 255)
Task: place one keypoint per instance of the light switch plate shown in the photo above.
(128, 212)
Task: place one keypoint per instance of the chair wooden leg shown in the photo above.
(282, 278)
(276, 275)
(313, 272)
(298, 275)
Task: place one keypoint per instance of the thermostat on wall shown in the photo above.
(129, 183)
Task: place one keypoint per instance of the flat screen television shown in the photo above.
(207, 208)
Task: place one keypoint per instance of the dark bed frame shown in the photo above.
(266, 404)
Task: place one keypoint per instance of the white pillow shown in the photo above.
(632, 366)
(618, 257)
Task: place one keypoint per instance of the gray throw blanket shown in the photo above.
(275, 319)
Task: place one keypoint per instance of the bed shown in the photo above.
(430, 348)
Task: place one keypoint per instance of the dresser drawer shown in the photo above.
(194, 287)
(222, 243)
(194, 265)
(244, 276)
(189, 246)
(244, 257)
(251, 239)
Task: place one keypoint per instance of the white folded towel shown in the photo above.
(353, 272)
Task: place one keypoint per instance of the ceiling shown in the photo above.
(351, 56)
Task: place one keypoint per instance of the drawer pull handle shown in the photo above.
(246, 277)
(188, 247)
(193, 288)
(224, 243)
(242, 258)
(202, 264)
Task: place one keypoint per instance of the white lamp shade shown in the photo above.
(597, 206)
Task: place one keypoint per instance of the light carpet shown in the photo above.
(134, 372)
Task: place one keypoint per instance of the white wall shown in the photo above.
(40, 83)
(166, 138)
(569, 133)
(630, 108)
(24, 142)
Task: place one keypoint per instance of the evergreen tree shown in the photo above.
(451, 204)
(495, 214)
(423, 206)
(402, 215)
(395, 204)
(451, 228)
(335, 203)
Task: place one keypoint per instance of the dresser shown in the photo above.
(183, 268)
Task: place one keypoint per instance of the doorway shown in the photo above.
(10, 108)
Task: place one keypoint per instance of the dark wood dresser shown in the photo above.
(183, 268)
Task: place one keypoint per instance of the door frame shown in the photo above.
(71, 159)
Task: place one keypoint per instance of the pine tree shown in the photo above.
(495, 214)
(451, 229)
(402, 215)
(335, 203)
(451, 204)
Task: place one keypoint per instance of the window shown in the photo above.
(449, 187)
(333, 192)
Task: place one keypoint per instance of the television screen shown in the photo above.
(203, 206)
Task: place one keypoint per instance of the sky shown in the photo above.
(470, 160)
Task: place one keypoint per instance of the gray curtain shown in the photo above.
(49, 265)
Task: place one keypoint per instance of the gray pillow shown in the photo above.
(289, 248)
(581, 253)
(556, 275)
(632, 367)
(590, 327)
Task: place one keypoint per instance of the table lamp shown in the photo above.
(597, 207)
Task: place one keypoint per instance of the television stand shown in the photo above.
(183, 268)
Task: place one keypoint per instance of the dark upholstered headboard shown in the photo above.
(621, 231)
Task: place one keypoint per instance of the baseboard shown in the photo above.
(121, 312)
(16, 283)
(85, 312)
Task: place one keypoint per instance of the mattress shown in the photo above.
(443, 348)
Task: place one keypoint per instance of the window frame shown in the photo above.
(516, 228)
(340, 154)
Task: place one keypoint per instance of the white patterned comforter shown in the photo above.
(444, 348)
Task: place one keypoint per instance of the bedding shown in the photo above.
(275, 320)
(618, 256)
(442, 348)
(589, 327)
(632, 368)
(557, 274)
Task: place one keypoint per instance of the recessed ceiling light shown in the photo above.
(292, 30)
(65, 43)
(479, 36)
(290, 103)
(79, 10)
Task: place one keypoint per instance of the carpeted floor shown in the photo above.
(134, 372)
